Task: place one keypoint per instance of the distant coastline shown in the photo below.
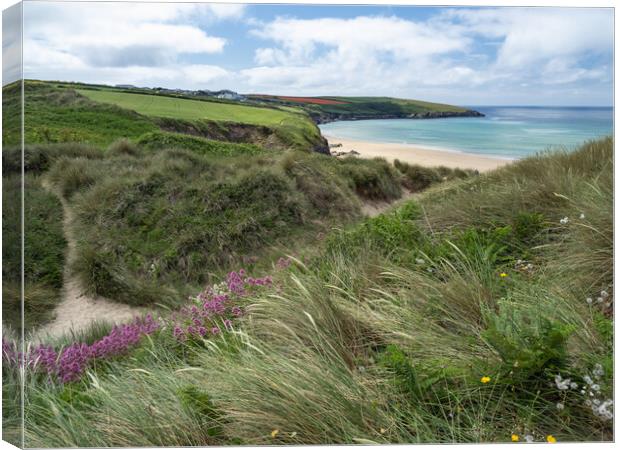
(324, 118)
(511, 132)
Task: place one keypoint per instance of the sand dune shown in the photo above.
(78, 310)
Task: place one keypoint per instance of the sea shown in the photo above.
(510, 132)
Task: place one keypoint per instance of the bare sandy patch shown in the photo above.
(77, 310)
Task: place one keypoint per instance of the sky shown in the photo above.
(457, 55)
(11, 44)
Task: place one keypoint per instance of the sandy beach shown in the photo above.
(415, 154)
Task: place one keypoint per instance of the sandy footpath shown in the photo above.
(415, 154)
(77, 310)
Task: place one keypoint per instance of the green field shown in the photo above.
(361, 107)
(161, 106)
(412, 106)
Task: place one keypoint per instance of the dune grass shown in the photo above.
(154, 223)
(471, 339)
(44, 247)
(159, 139)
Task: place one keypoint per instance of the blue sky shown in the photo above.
(469, 56)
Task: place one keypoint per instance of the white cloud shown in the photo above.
(459, 55)
(471, 51)
(535, 34)
(358, 55)
(145, 41)
(361, 36)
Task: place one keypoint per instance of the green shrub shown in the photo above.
(158, 140)
(327, 192)
(198, 402)
(122, 147)
(39, 158)
(393, 234)
(373, 179)
(405, 376)
(528, 227)
(528, 346)
(135, 238)
(416, 177)
(44, 248)
(72, 175)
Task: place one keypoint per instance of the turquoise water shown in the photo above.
(507, 131)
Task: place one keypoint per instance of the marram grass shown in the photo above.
(488, 321)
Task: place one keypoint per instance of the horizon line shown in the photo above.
(322, 95)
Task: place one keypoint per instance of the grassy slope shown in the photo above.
(58, 113)
(369, 107)
(155, 222)
(44, 240)
(294, 127)
(407, 106)
(169, 229)
(55, 115)
(387, 340)
(161, 106)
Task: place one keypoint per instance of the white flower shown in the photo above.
(596, 387)
(599, 299)
(582, 216)
(430, 270)
(419, 261)
(589, 300)
(598, 370)
(559, 406)
(529, 438)
(582, 392)
(573, 385)
(530, 266)
(604, 294)
(564, 221)
(562, 385)
(603, 410)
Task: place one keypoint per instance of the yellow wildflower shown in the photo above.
(274, 433)
(551, 439)
(514, 438)
(503, 275)
(485, 380)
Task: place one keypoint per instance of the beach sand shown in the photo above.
(415, 154)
